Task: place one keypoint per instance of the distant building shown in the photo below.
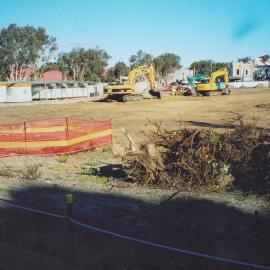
(180, 74)
(262, 71)
(243, 71)
(52, 75)
(251, 70)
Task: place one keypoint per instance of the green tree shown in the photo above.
(208, 66)
(24, 50)
(84, 64)
(97, 62)
(120, 69)
(4, 68)
(265, 57)
(165, 64)
(244, 59)
(50, 66)
(203, 66)
(140, 59)
(114, 73)
(219, 65)
(108, 75)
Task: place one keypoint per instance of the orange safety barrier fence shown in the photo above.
(50, 137)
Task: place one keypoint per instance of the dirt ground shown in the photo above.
(211, 111)
(228, 224)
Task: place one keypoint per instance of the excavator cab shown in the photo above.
(205, 80)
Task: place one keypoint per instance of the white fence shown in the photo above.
(252, 84)
(54, 92)
(25, 92)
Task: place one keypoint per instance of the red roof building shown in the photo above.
(52, 75)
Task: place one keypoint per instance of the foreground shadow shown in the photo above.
(115, 171)
(217, 126)
(207, 124)
(36, 241)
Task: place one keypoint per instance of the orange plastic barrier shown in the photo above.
(50, 137)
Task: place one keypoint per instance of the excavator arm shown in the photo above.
(129, 92)
(142, 70)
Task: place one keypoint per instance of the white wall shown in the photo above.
(249, 84)
(180, 74)
(3, 93)
(18, 93)
(91, 91)
(243, 71)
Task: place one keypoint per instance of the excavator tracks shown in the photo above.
(215, 93)
(135, 97)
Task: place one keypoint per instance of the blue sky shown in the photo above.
(222, 30)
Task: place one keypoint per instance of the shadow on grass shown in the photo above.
(115, 171)
(213, 125)
(207, 124)
(112, 170)
(35, 241)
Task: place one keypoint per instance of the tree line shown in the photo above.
(164, 64)
(27, 52)
(208, 66)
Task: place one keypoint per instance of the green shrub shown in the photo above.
(63, 158)
(31, 172)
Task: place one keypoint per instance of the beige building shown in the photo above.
(244, 71)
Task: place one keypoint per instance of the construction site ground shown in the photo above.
(223, 223)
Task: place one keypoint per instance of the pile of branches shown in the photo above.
(250, 157)
(189, 158)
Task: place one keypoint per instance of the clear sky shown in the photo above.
(222, 30)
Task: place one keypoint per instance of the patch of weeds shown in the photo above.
(92, 171)
(31, 172)
(95, 178)
(239, 196)
(3, 190)
(104, 179)
(7, 171)
(63, 158)
(226, 202)
(103, 173)
(92, 168)
(168, 198)
(106, 148)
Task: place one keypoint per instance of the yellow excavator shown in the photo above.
(127, 91)
(217, 83)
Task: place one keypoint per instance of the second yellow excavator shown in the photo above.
(128, 91)
(217, 83)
